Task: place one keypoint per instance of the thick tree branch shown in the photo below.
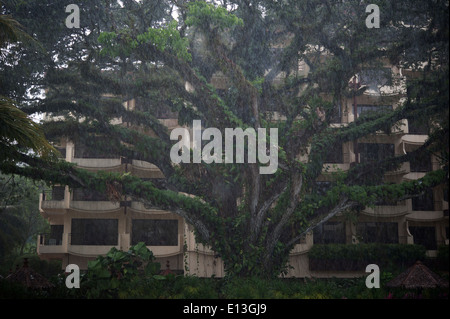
(343, 205)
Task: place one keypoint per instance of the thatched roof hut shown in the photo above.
(29, 278)
(417, 277)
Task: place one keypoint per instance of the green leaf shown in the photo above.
(94, 264)
(103, 273)
(115, 283)
(152, 268)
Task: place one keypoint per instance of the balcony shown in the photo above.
(101, 164)
(412, 141)
(388, 210)
(335, 167)
(381, 82)
(93, 237)
(163, 237)
(73, 243)
(52, 201)
(50, 244)
(403, 169)
(167, 251)
(418, 127)
(91, 250)
(141, 208)
(97, 206)
(145, 169)
(85, 200)
(425, 216)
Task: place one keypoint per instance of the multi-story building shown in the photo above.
(420, 220)
(85, 225)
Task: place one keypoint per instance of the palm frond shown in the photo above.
(16, 128)
(12, 31)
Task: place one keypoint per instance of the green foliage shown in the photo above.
(206, 16)
(167, 38)
(108, 40)
(121, 274)
(191, 287)
(18, 133)
(13, 290)
(443, 257)
(144, 56)
(20, 221)
(356, 257)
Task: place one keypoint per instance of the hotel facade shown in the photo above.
(84, 224)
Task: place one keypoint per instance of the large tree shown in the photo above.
(20, 221)
(137, 50)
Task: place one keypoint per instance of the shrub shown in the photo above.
(393, 257)
(443, 257)
(14, 290)
(121, 274)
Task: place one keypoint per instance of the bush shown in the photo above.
(190, 287)
(121, 274)
(442, 257)
(341, 257)
(14, 290)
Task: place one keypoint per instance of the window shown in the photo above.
(55, 236)
(329, 233)
(418, 126)
(377, 232)
(81, 194)
(387, 203)
(425, 236)
(368, 109)
(375, 152)
(334, 155)
(92, 148)
(58, 193)
(336, 115)
(62, 151)
(102, 232)
(375, 77)
(155, 232)
(301, 66)
(323, 187)
(158, 110)
(424, 201)
(420, 163)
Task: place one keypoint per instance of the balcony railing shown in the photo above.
(47, 239)
(418, 127)
(55, 194)
(48, 243)
(52, 200)
(81, 194)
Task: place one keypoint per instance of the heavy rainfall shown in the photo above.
(111, 189)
